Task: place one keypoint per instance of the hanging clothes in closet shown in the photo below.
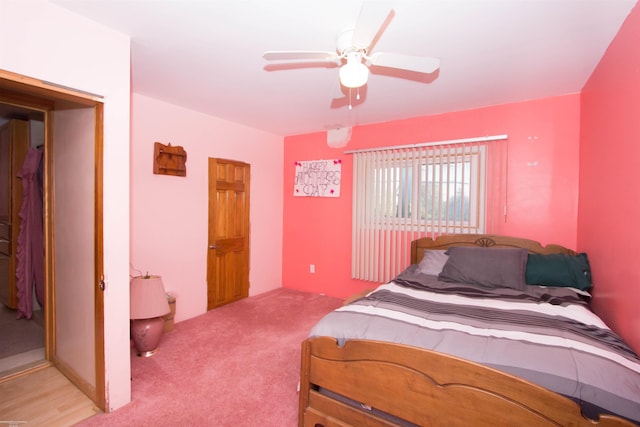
(30, 252)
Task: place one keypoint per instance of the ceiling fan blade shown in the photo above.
(419, 64)
(373, 19)
(298, 65)
(316, 56)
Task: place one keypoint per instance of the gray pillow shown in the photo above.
(488, 267)
(432, 262)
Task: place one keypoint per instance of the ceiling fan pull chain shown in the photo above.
(350, 106)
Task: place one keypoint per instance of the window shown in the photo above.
(443, 189)
(403, 193)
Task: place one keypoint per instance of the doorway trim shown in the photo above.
(47, 97)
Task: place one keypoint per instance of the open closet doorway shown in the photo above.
(72, 228)
(22, 326)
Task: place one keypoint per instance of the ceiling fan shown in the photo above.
(353, 50)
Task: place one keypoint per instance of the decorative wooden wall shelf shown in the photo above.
(168, 160)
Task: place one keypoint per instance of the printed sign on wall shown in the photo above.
(317, 178)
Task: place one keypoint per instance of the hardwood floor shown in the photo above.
(43, 398)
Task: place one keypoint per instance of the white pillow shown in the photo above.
(432, 262)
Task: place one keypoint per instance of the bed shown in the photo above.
(429, 349)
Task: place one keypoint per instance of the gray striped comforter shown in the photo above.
(545, 335)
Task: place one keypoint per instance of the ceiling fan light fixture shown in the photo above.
(354, 73)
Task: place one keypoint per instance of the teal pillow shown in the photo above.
(560, 270)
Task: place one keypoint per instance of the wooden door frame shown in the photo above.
(39, 95)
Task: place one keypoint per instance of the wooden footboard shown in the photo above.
(421, 387)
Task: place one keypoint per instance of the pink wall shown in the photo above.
(53, 44)
(609, 206)
(169, 214)
(542, 183)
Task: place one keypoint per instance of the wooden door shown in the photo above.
(14, 144)
(228, 251)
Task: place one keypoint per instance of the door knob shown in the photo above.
(213, 247)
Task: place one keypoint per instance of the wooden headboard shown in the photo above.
(484, 241)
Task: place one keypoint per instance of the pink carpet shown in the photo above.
(237, 365)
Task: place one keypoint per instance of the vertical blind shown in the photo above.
(407, 192)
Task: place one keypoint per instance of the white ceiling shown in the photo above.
(206, 55)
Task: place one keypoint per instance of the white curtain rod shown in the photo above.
(427, 144)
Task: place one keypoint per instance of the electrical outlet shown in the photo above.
(312, 268)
